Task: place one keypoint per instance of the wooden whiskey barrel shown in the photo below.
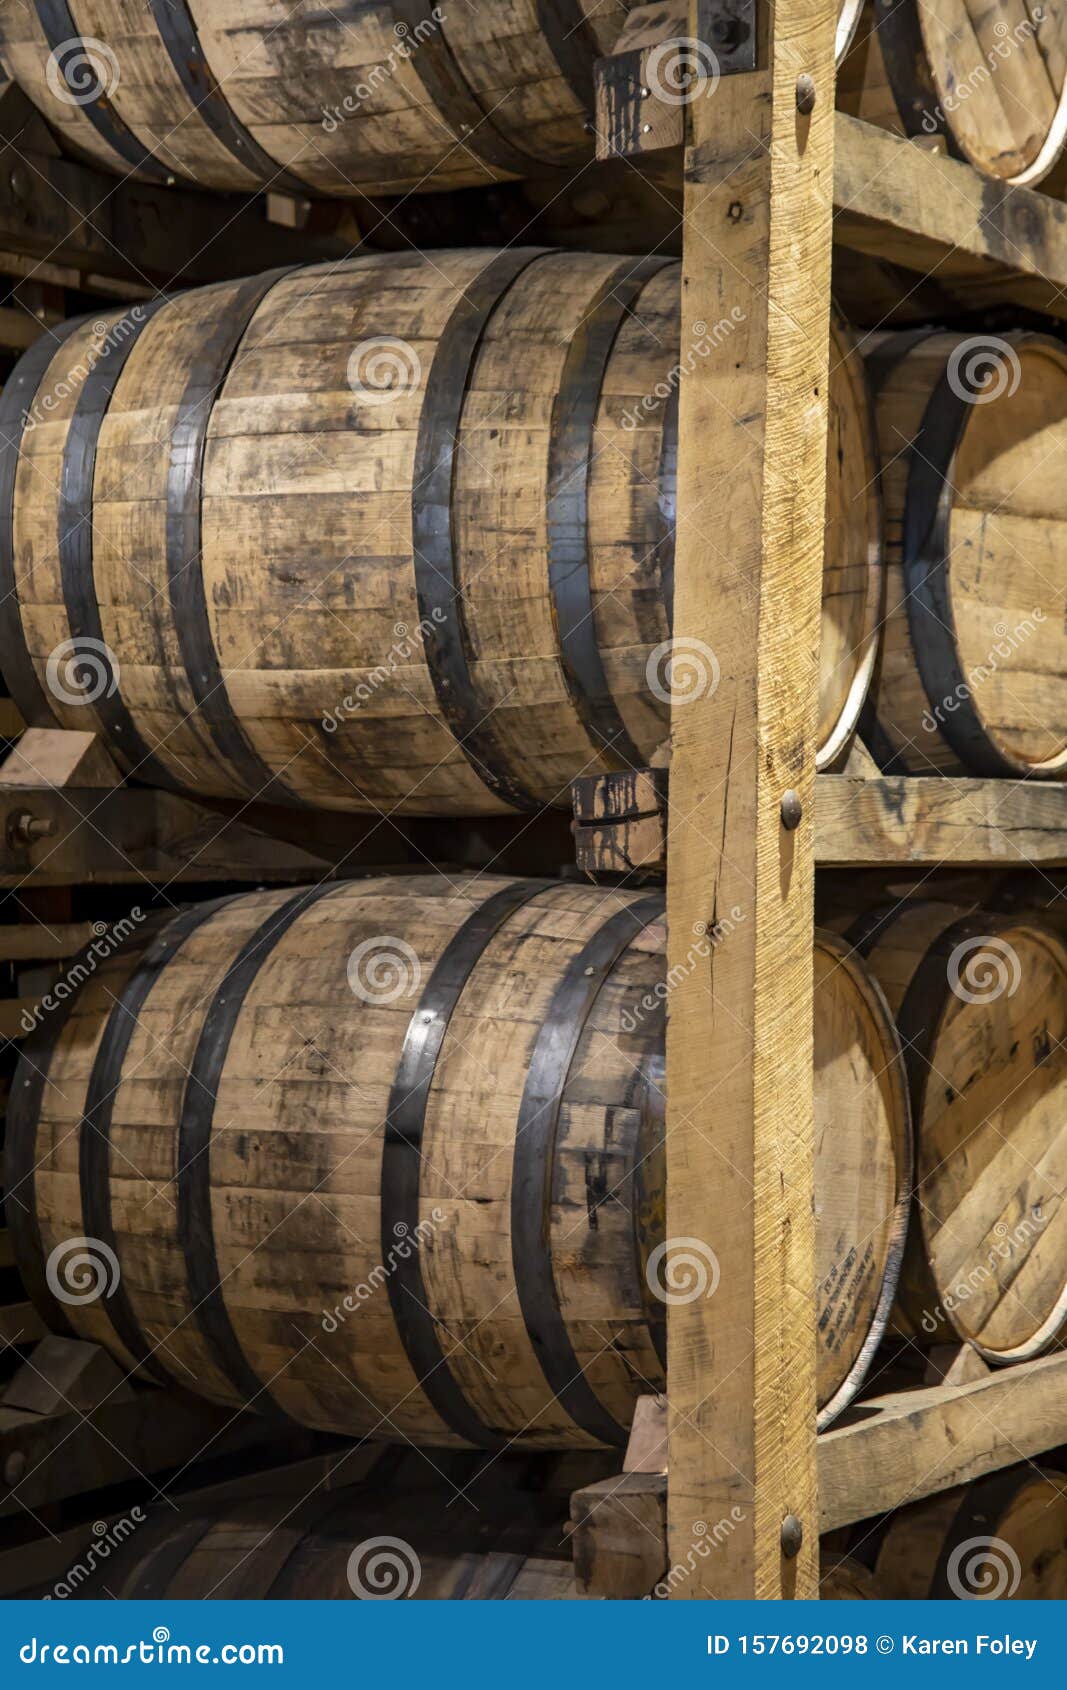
(985, 81)
(842, 1579)
(981, 1006)
(461, 1530)
(973, 436)
(385, 1158)
(391, 534)
(1004, 1537)
(347, 99)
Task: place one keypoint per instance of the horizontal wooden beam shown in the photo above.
(127, 836)
(904, 820)
(924, 211)
(622, 823)
(914, 1443)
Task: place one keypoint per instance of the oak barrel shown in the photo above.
(464, 1528)
(973, 436)
(1003, 1537)
(985, 80)
(981, 1005)
(385, 1158)
(344, 100)
(392, 534)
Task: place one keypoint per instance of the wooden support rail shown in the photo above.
(751, 478)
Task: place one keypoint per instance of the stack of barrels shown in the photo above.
(385, 1158)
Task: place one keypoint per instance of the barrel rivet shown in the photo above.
(792, 810)
(805, 94)
(792, 1536)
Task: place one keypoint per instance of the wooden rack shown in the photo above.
(773, 178)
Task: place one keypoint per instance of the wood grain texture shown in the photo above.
(751, 510)
(430, 566)
(984, 78)
(349, 100)
(1002, 1538)
(295, 1179)
(973, 437)
(911, 1444)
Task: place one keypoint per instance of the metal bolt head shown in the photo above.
(792, 1536)
(792, 810)
(15, 1467)
(805, 94)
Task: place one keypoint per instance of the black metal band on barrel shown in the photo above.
(178, 32)
(402, 1158)
(68, 49)
(94, 1142)
(208, 370)
(534, 1168)
(456, 103)
(161, 1566)
(977, 1517)
(444, 632)
(570, 460)
(569, 34)
(926, 551)
(907, 64)
(16, 405)
(75, 547)
(20, 1164)
(196, 1231)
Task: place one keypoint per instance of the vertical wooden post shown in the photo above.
(758, 207)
